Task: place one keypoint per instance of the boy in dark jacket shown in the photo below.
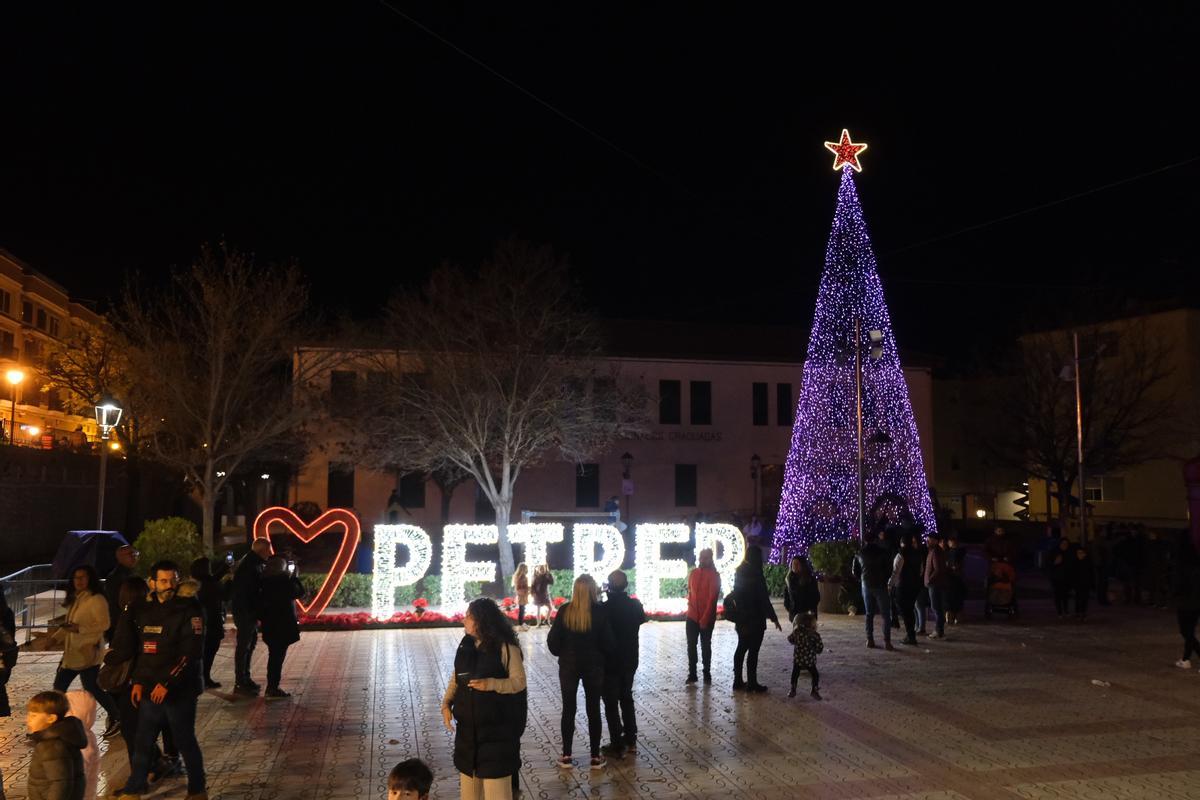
(56, 770)
(626, 616)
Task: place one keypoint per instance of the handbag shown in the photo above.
(730, 608)
(114, 677)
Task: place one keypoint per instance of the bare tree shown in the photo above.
(213, 356)
(1028, 412)
(490, 374)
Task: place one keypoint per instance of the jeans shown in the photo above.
(750, 639)
(1187, 629)
(618, 704)
(64, 677)
(937, 601)
(877, 602)
(129, 730)
(276, 653)
(816, 676)
(247, 638)
(694, 632)
(593, 686)
(179, 712)
(921, 608)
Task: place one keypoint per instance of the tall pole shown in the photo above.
(862, 496)
(12, 425)
(103, 477)
(1083, 537)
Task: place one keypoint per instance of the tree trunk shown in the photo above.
(208, 506)
(503, 508)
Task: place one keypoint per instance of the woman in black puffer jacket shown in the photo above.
(581, 636)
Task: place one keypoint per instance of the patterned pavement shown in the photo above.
(1003, 709)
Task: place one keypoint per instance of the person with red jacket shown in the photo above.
(704, 586)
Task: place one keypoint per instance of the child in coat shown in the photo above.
(808, 644)
(56, 769)
(83, 708)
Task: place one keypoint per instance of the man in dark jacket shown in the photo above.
(937, 579)
(127, 557)
(167, 679)
(247, 580)
(873, 567)
(625, 615)
(56, 769)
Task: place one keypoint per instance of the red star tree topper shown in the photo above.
(845, 152)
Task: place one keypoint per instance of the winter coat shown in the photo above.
(801, 595)
(83, 708)
(704, 590)
(581, 651)
(808, 645)
(937, 576)
(912, 570)
(753, 600)
(169, 642)
(1083, 574)
(56, 769)
(112, 591)
(541, 589)
(1062, 566)
(85, 648)
(521, 587)
(277, 609)
(210, 596)
(487, 737)
(246, 583)
(873, 565)
(625, 616)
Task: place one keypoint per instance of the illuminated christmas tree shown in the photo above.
(820, 486)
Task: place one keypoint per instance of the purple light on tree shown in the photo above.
(819, 501)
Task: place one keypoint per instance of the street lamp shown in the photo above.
(755, 477)
(108, 414)
(15, 376)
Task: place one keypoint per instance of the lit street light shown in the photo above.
(108, 414)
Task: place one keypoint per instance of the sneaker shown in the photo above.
(937, 636)
(708, 677)
(870, 644)
(114, 727)
(757, 688)
(613, 750)
(815, 694)
(275, 693)
(738, 684)
(631, 746)
(1184, 663)
(888, 646)
(566, 762)
(911, 642)
(691, 678)
(245, 689)
(253, 684)
(792, 692)
(599, 762)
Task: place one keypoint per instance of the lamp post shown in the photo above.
(626, 485)
(15, 376)
(108, 414)
(756, 479)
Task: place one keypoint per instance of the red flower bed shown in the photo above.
(430, 619)
(420, 602)
(558, 601)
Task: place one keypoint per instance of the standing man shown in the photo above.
(625, 615)
(167, 679)
(704, 588)
(247, 580)
(937, 579)
(873, 567)
(127, 558)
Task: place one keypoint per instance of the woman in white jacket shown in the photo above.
(83, 650)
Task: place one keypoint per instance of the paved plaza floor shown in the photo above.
(999, 710)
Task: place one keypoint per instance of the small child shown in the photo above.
(410, 780)
(56, 769)
(83, 708)
(808, 643)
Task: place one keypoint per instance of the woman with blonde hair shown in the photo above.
(520, 583)
(580, 637)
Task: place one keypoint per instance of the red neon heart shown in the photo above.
(306, 533)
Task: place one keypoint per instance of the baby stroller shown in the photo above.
(1000, 593)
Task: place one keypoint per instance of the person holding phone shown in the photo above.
(277, 609)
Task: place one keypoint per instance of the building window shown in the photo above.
(340, 492)
(685, 485)
(669, 400)
(27, 312)
(1105, 489)
(54, 327)
(783, 403)
(8, 348)
(587, 486)
(5, 302)
(604, 399)
(758, 402)
(701, 397)
(41, 319)
(412, 489)
(33, 348)
(343, 392)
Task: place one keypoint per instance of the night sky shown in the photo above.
(675, 153)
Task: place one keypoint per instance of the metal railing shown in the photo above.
(36, 598)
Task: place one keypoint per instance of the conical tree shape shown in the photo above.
(819, 501)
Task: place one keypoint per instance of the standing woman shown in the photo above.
(909, 571)
(580, 637)
(543, 579)
(280, 590)
(801, 595)
(83, 651)
(753, 604)
(520, 584)
(214, 612)
(485, 704)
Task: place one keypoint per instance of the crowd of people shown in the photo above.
(163, 634)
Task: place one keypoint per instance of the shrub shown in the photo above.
(776, 575)
(173, 538)
(832, 559)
